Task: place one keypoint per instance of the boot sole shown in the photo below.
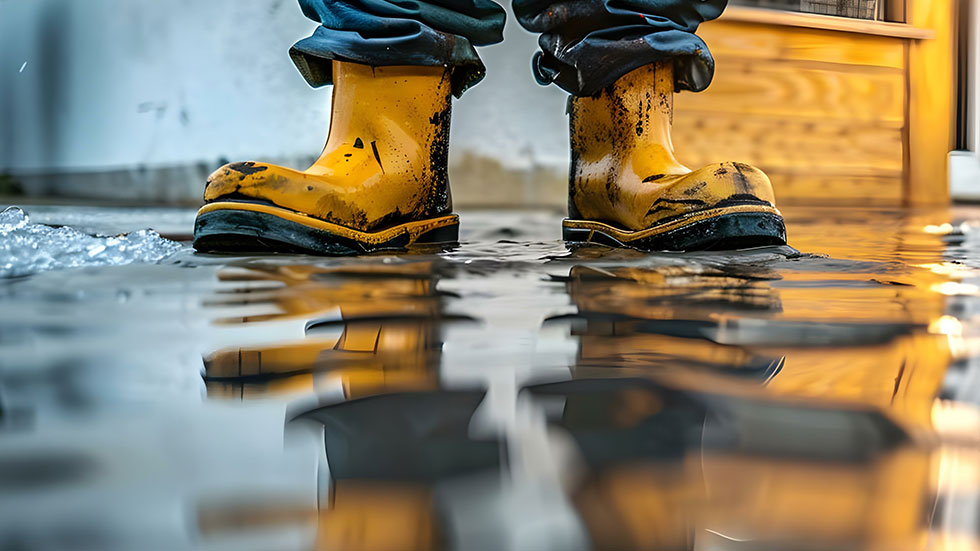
(232, 226)
(726, 228)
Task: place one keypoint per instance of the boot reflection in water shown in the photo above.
(662, 317)
(381, 181)
(668, 468)
(390, 330)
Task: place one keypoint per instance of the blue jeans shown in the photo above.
(586, 45)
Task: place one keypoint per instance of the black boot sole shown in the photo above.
(705, 231)
(239, 227)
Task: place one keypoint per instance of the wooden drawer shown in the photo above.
(822, 112)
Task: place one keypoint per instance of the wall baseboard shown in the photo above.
(477, 182)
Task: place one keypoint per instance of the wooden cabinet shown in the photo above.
(835, 110)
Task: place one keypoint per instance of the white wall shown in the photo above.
(122, 84)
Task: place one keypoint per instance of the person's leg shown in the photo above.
(381, 180)
(622, 61)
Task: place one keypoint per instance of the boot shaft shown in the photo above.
(635, 112)
(621, 135)
(401, 116)
(410, 103)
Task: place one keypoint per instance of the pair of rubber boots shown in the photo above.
(381, 182)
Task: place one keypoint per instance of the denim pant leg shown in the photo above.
(587, 45)
(399, 32)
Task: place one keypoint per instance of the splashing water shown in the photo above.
(27, 248)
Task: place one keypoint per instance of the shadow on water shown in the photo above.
(514, 394)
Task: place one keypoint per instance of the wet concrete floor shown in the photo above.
(508, 394)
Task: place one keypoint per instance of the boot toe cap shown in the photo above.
(733, 181)
(245, 179)
(711, 187)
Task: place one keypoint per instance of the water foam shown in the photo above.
(27, 248)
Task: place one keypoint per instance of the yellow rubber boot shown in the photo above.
(380, 183)
(626, 188)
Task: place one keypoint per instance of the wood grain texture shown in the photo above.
(931, 113)
(837, 189)
(755, 41)
(829, 22)
(810, 146)
(822, 112)
(795, 90)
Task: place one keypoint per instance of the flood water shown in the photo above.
(508, 394)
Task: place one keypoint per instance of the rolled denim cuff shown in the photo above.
(381, 33)
(586, 46)
(588, 66)
(313, 56)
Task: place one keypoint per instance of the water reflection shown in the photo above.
(389, 320)
(371, 356)
(663, 317)
(816, 333)
(510, 394)
(671, 469)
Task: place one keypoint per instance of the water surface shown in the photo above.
(508, 394)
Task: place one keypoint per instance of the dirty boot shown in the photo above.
(626, 188)
(380, 183)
